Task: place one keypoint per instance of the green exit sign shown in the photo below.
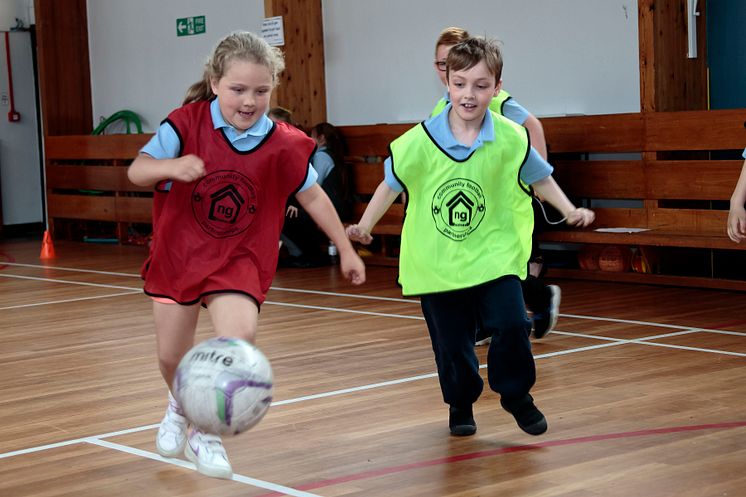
(187, 26)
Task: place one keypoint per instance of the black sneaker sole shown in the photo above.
(463, 430)
(461, 422)
(535, 428)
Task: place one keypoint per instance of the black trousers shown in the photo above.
(536, 294)
(496, 307)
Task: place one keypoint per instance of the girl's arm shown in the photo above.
(737, 213)
(322, 211)
(382, 199)
(548, 190)
(147, 171)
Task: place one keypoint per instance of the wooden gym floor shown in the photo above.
(644, 389)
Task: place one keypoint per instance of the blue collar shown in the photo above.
(260, 128)
(440, 130)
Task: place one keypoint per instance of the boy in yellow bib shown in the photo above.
(466, 237)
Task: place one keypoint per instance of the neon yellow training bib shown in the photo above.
(467, 222)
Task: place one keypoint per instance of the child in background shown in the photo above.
(223, 172)
(281, 114)
(466, 237)
(300, 231)
(737, 213)
(543, 300)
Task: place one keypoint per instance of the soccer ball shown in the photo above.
(224, 385)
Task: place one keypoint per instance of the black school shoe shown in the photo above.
(529, 418)
(545, 321)
(461, 421)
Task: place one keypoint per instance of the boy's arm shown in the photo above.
(382, 199)
(737, 213)
(322, 211)
(147, 171)
(549, 190)
(536, 134)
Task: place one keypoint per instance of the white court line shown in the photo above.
(611, 342)
(338, 309)
(684, 347)
(722, 332)
(79, 299)
(333, 309)
(40, 448)
(370, 297)
(93, 271)
(627, 321)
(294, 290)
(52, 280)
(267, 485)
(188, 465)
(347, 295)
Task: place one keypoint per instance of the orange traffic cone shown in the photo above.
(47, 247)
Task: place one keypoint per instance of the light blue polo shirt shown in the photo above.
(322, 163)
(165, 142)
(535, 168)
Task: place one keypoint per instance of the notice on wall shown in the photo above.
(187, 26)
(273, 32)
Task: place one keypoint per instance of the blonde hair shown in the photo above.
(471, 52)
(239, 45)
(451, 36)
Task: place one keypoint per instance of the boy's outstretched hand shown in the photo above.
(356, 234)
(737, 224)
(580, 217)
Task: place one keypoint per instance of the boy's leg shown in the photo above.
(450, 318)
(542, 300)
(511, 368)
(546, 319)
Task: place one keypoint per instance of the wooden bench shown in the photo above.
(654, 171)
(660, 172)
(86, 180)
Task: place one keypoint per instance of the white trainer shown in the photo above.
(172, 432)
(208, 454)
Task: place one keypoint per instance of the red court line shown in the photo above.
(507, 450)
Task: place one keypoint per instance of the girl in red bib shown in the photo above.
(223, 173)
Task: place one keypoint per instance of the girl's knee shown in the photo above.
(168, 362)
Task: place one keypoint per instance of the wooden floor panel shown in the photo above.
(642, 386)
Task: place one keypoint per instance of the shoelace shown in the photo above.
(544, 212)
(213, 443)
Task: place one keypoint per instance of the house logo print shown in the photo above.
(458, 208)
(224, 203)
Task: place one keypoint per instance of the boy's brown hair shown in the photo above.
(451, 36)
(471, 52)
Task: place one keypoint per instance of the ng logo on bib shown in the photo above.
(224, 203)
(458, 207)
